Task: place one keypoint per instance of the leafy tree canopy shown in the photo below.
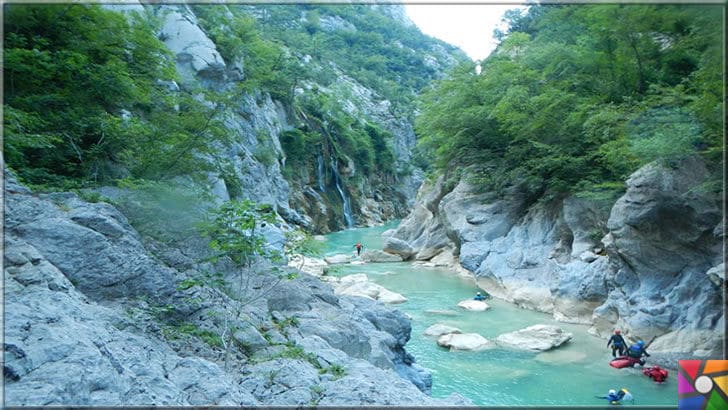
(577, 97)
(87, 99)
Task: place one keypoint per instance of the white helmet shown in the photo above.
(612, 391)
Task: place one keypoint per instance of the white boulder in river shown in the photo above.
(475, 305)
(376, 255)
(338, 259)
(358, 285)
(438, 329)
(465, 341)
(536, 337)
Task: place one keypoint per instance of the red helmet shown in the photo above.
(616, 332)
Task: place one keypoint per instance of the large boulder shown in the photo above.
(439, 329)
(464, 341)
(376, 256)
(537, 337)
(421, 230)
(474, 305)
(369, 290)
(398, 247)
(663, 240)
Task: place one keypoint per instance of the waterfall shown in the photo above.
(347, 208)
(320, 172)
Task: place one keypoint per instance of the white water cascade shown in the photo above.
(320, 172)
(347, 208)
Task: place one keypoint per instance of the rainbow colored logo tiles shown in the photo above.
(702, 385)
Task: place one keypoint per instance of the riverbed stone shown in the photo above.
(398, 247)
(464, 341)
(474, 305)
(439, 329)
(369, 290)
(537, 337)
(376, 256)
(338, 259)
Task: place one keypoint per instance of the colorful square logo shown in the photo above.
(702, 385)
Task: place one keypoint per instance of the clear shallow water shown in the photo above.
(570, 375)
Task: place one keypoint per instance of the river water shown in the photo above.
(569, 375)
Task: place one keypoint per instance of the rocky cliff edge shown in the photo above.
(650, 264)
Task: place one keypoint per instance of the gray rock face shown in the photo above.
(296, 343)
(196, 54)
(92, 244)
(375, 255)
(398, 247)
(641, 265)
(662, 236)
(660, 226)
(63, 349)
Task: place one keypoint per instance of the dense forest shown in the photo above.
(576, 98)
(74, 75)
(88, 101)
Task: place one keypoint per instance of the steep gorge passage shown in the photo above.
(569, 375)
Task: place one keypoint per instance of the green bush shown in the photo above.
(83, 103)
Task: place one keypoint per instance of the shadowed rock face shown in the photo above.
(93, 317)
(640, 264)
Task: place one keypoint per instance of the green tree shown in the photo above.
(580, 96)
(85, 101)
(234, 231)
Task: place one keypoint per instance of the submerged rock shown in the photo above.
(536, 337)
(474, 305)
(439, 329)
(561, 356)
(441, 312)
(465, 341)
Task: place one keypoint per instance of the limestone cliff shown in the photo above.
(649, 264)
(321, 195)
(98, 315)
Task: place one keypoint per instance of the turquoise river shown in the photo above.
(572, 374)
